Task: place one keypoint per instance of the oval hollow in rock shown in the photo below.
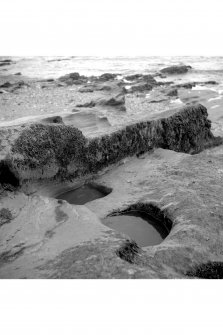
(84, 194)
(143, 227)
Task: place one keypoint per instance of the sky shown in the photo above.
(111, 27)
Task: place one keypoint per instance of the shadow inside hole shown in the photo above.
(84, 194)
(7, 177)
(140, 225)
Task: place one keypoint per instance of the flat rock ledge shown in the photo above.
(147, 164)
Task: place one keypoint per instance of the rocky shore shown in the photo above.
(122, 133)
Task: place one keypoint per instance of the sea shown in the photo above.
(204, 68)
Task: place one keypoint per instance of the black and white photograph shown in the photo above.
(111, 143)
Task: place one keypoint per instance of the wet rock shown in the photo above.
(176, 69)
(172, 93)
(53, 119)
(87, 104)
(107, 76)
(149, 79)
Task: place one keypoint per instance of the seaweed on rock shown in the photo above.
(210, 270)
(41, 144)
(128, 251)
(56, 150)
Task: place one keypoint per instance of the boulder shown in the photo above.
(133, 77)
(86, 89)
(185, 85)
(87, 104)
(7, 84)
(107, 76)
(141, 87)
(172, 93)
(176, 69)
(74, 76)
(73, 79)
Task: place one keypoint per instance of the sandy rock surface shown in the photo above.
(45, 238)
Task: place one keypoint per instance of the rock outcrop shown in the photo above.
(46, 151)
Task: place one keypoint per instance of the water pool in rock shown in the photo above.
(82, 195)
(139, 226)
